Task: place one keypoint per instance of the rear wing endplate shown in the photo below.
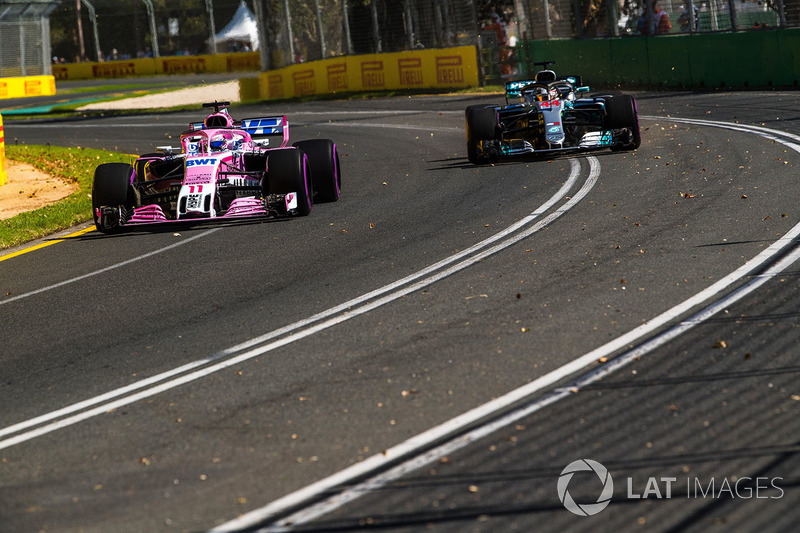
(267, 127)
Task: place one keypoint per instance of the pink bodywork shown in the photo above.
(202, 167)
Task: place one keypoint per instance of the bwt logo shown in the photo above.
(586, 509)
(199, 162)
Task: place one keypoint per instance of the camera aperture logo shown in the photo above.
(585, 509)
(733, 487)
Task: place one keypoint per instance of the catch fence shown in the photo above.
(25, 38)
(295, 31)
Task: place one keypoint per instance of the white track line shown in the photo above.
(440, 432)
(106, 269)
(301, 328)
(349, 494)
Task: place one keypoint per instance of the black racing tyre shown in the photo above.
(140, 162)
(288, 170)
(111, 187)
(326, 174)
(621, 113)
(606, 94)
(482, 125)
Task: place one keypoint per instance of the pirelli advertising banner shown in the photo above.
(27, 86)
(159, 65)
(445, 67)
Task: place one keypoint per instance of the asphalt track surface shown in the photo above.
(432, 350)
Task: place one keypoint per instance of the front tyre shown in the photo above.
(112, 195)
(288, 171)
(326, 174)
(482, 131)
(621, 113)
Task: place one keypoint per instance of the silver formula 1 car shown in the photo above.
(551, 114)
(222, 170)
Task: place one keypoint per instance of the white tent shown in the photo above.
(242, 27)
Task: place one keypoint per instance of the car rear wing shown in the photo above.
(514, 88)
(261, 129)
(265, 128)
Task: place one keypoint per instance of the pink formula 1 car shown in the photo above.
(223, 170)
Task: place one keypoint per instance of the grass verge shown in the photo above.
(75, 165)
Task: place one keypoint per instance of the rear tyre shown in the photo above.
(288, 171)
(325, 172)
(111, 187)
(482, 125)
(621, 113)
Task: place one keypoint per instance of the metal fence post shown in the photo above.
(153, 34)
(714, 9)
(438, 24)
(734, 18)
(81, 48)
(212, 40)
(348, 40)
(409, 24)
(613, 19)
(323, 51)
(376, 32)
(263, 36)
(781, 14)
(47, 70)
(22, 44)
(548, 28)
(651, 24)
(288, 15)
(576, 7)
(93, 16)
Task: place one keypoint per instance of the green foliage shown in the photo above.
(75, 165)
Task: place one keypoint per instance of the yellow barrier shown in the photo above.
(439, 68)
(159, 65)
(27, 86)
(248, 89)
(436, 68)
(3, 175)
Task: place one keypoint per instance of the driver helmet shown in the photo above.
(536, 94)
(218, 143)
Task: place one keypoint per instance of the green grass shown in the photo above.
(117, 87)
(70, 110)
(75, 165)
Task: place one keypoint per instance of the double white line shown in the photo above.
(417, 451)
(92, 407)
